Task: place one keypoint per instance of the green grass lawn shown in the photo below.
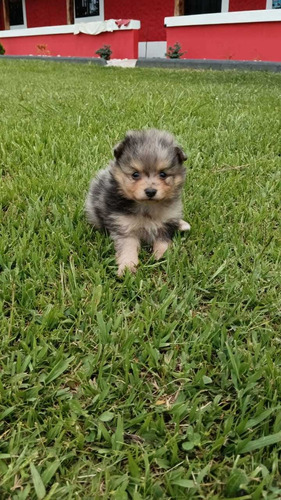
(166, 384)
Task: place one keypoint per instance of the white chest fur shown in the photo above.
(149, 220)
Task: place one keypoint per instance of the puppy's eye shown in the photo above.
(136, 175)
(162, 175)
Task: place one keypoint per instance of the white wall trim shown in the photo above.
(247, 16)
(57, 30)
(268, 4)
(152, 49)
(24, 25)
(224, 5)
(91, 19)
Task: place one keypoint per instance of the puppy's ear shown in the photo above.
(181, 156)
(119, 148)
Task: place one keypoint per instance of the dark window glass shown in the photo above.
(201, 6)
(87, 8)
(16, 12)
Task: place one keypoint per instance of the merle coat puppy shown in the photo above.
(138, 196)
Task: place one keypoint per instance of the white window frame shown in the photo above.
(90, 19)
(268, 4)
(24, 25)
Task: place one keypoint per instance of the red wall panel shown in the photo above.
(150, 14)
(246, 5)
(124, 44)
(42, 13)
(248, 42)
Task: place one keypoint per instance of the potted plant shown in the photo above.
(104, 52)
(174, 52)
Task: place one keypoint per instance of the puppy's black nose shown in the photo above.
(150, 192)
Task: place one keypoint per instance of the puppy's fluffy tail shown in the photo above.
(90, 206)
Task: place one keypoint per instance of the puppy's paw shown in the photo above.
(159, 248)
(184, 226)
(129, 266)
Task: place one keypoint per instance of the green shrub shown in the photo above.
(174, 51)
(104, 52)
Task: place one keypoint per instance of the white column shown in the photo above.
(224, 5)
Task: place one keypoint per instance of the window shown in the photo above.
(17, 14)
(88, 10)
(202, 6)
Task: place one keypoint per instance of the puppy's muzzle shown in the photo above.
(150, 192)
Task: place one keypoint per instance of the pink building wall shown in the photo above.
(123, 43)
(260, 41)
(151, 14)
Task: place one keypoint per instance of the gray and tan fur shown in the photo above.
(137, 197)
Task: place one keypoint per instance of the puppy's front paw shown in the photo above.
(159, 248)
(184, 226)
(130, 266)
(127, 254)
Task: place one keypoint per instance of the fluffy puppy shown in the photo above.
(137, 197)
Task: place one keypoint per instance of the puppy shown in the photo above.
(137, 197)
